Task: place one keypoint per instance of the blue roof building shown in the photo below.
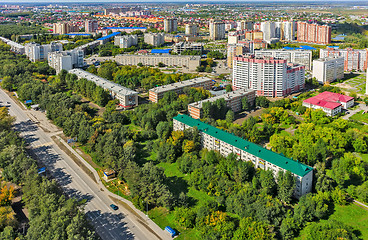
(161, 51)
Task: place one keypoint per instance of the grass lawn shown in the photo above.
(359, 116)
(351, 215)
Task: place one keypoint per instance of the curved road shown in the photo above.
(109, 224)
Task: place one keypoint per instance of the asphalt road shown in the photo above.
(109, 224)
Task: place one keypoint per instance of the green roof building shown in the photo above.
(213, 138)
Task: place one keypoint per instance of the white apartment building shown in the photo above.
(297, 56)
(269, 31)
(66, 60)
(354, 59)
(15, 47)
(225, 143)
(155, 39)
(126, 41)
(183, 46)
(191, 30)
(217, 30)
(269, 76)
(127, 97)
(244, 25)
(327, 70)
(36, 52)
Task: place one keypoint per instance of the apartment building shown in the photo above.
(188, 62)
(313, 33)
(36, 52)
(244, 25)
(15, 47)
(155, 39)
(66, 60)
(269, 31)
(170, 25)
(90, 26)
(183, 46)
(269, 76)
(233, 101)
(217, 30)
(126, 41)
(127, 97)
(253, 35)
(157, 93)
(331, 103)
(327, 70)
(225, 143)
(354, 59)
(241, 48)
(297, 56)
(64, 28)
(191, 30)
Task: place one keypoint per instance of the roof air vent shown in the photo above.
(286, 162)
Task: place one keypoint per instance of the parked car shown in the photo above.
(114, 207)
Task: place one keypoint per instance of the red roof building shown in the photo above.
(331, 103)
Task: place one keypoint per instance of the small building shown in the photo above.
(109, 174)
(331, 103)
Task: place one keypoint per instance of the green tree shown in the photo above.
(230, 116)
(245, 104)
(285, 185)
(7, 83)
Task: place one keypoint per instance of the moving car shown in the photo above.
(114, 207)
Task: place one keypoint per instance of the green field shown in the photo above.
(359, 116)
(351, 215)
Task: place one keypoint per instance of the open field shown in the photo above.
(360, 117)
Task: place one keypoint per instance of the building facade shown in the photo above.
(127, 97)
(155, 39)
(225, 143)
(183, 46)
(170, 25)
(36, 52)
(241, 48)
(217, 30)
(15, 47)
(157, 93)
(314, 33)
(331, 103)
(269, 76)
(66, 60)
(327, 70)
(64, 28)
(126, 41)
(191, 30)
(91, 26)
(354, 59)
(302, 57)
(188, 62)
(233, 101)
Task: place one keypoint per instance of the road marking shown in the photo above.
(43, 145)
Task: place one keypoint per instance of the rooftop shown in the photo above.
(226, 96)
(122, 28)
(109, 36)
(274, 158)
(182, 84)
(165, 51)
(114, 87)
(328, 100)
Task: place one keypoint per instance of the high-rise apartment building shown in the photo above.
(91, 26)
(269, 31)
(314, 33)
(36, 52)
(155, 39)
(170, 25)
(354, 59)
(327, 70)
(126, 41)
(244, 25)
(64, 28)
(302, 57)
(66, 60)
(269, 76)
(241, 48)
(191, 30)
(217, 30)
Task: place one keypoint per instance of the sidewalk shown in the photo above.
(141, 217)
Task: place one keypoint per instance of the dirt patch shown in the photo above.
(75, 159)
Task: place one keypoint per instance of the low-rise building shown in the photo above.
(157, 93)
(183, 46)
(331, 103)
(154, 39)
(188, 62)
(327, 70)
(126, 41)
(233, 101)
(66, 60)
(225, 143)
(127, 97)
(37, 52)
